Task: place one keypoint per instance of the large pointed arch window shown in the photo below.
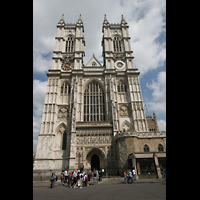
(94, 103)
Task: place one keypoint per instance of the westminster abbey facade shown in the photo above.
(93, 113)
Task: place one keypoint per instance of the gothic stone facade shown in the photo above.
(93, 114)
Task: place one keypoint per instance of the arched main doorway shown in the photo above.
(95, 162)
(95, 159)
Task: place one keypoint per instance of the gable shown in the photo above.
(93, 62)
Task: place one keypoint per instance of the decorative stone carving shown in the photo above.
(68, 57)
(118, 56)
(95, 136)
(126, 126)
(62, 112)
(124, 111)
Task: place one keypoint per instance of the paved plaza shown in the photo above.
(109, 190)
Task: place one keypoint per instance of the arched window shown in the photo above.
(94, 103)
(122, 91)
(121, 87)
(146, 148)
(69, 44)
(64, 142)
(160, 147)
(65, 89)
(117, 44)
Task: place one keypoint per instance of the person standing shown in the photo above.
(62, 179)
(52, 181)
(131, 175)
(95, 175)
(55, 178)
(127, 174)
(163, 174)
(66, 176)
(134, 174)
(88, 175)
(100, 176)
(125, 180)
(75, 177)
(70, 179)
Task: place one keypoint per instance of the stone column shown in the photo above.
(134, 166)
(157, 166)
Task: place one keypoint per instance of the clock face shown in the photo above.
(119, 65)
(66, 66)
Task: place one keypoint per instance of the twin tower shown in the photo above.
(93, 114)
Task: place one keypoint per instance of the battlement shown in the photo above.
(140, 134)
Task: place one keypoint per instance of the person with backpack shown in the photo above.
(130, 176)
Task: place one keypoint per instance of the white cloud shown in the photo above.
(36, 126)
(162, 125)
(145, 19)
(149, 53)
(158, 103)
(39, 89)
(159, 87)
(34, 145)
(41, 63)
(157, 107)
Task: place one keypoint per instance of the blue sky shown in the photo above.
(147, 29)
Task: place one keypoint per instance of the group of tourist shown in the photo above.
(129, 175)
(77, 178)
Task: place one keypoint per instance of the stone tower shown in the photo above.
(125, 92)
(56, 143)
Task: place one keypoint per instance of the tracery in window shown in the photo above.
(121, 87)
(69, 44)
(122, 91)
(117, 44)
(94, 103)
(65, 89)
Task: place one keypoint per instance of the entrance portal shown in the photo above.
(95, 162)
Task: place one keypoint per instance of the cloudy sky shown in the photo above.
(147, 29)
